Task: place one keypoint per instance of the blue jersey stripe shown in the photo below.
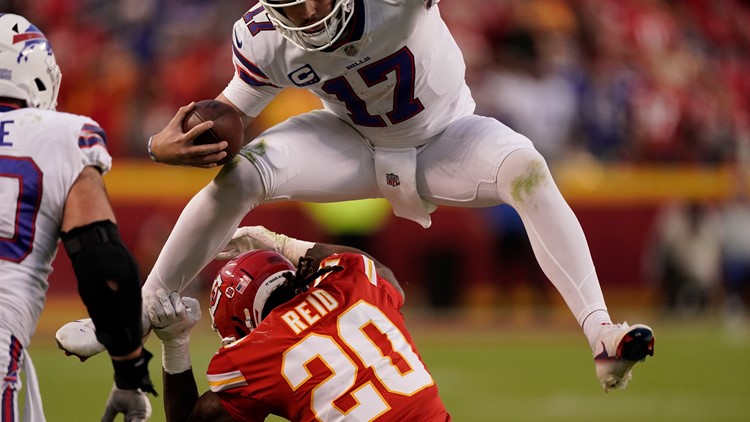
(91, 135)
(247, 63)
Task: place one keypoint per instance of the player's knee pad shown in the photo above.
(240, 184)
(521, 175)
(108, 283)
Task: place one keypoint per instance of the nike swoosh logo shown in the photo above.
(237, 40)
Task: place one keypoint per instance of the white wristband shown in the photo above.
(175, 358)
(293, 249)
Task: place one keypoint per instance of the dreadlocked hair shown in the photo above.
(296, 283)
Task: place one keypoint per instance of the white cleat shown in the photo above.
(618, 348)
(78, 338)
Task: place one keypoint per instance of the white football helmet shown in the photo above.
(28, 70)
(331, 26)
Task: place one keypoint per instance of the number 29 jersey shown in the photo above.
(42, 153)
(338, 352)
(397, 74)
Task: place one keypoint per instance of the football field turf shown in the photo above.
(486, 371)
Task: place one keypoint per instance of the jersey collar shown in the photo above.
(8, 107)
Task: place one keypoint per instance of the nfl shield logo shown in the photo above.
(392, 179)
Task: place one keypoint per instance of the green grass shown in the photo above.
(489, 372)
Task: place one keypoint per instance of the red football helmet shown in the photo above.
(242, 288)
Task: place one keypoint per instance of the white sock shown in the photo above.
(556, 236)
(593, 324)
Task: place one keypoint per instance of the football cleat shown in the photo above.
(78, 338)
(618, 348)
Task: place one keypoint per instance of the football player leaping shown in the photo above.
(398, 122)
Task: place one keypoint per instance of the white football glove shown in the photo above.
(258, 237)
(134, 404)
(172, 319)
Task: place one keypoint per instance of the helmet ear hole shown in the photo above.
(277, 297)
(40, 85)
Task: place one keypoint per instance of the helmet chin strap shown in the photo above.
(249, 319)
(323, 36)
(226, 341)
(334, 24)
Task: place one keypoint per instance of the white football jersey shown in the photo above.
(397, 76)
(42, 153)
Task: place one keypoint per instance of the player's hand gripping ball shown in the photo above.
(227, 126)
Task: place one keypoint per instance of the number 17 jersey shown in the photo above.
(396, 75)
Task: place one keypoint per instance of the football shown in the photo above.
(227, 126)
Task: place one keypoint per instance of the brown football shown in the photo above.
(227, 126)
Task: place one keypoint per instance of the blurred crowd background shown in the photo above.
(637, 82)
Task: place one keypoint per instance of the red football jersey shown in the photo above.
(338, 352)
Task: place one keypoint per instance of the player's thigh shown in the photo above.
(460, 166)
(313, 157)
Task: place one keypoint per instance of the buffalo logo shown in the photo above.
(30, 37)
(392, 179)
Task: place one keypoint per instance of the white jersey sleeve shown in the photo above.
(42, 153)
(250, 89)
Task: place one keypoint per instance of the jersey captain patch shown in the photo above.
(304, 76)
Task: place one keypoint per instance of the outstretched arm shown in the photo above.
(108, 280)
(173, 318)
(259, 237)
